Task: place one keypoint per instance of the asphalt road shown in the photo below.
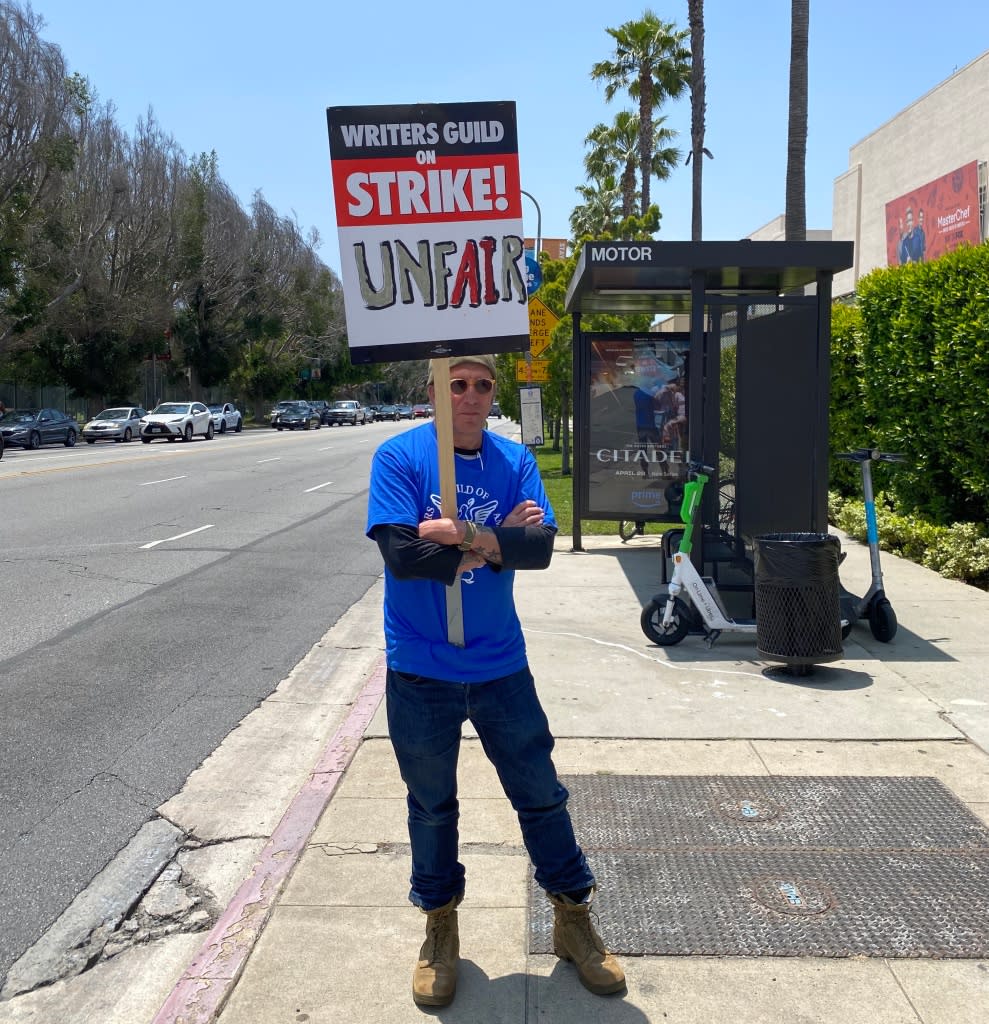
(153, 595)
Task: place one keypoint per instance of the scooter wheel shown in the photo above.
(627, 529)
(651, 622)
(882, 620)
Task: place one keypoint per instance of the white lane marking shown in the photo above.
(309, 490)
(328, 448)
(262, 461)
(167, 480)
(178, 536)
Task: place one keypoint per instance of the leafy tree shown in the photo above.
(259, 378)
(213, 242)
(652, 63)
(40, 108)
(110, 239)
(106, 252)
(292, 302)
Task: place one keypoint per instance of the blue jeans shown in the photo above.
(424, 721)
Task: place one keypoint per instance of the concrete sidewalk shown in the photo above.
(342, 940)
(321, 930)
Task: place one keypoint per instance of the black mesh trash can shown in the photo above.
(797, 610)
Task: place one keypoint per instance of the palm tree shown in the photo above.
(601, 211)
(698, 109)
(651, 61)
(615, 149)
(796, 147)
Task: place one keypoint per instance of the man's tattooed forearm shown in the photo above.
(486, 544)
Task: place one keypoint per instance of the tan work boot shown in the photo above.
(434, 981)
(575, 939)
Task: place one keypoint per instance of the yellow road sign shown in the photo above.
(542, 320)
(540, 371)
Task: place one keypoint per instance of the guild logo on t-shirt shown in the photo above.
(479, 513)
(469, 508)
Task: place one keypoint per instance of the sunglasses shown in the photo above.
(459, 386)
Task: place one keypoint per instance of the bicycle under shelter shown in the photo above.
(737, 377)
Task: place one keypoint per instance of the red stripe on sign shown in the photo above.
(401, 191)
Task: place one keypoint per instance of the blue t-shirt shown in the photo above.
(405, 490)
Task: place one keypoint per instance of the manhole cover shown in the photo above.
(750, 866)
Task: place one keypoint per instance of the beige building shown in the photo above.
(914, 162)
(775, 231)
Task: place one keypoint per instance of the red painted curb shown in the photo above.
(210, 977)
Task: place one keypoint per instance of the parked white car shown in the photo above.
(121, 423)
(226, 416)
(174, 420)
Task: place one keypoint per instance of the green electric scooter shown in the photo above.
(691, 602)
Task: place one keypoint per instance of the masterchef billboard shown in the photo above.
(935, 218)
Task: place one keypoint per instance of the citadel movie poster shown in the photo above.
(638, 425)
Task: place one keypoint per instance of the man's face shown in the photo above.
(471, 409)
(909, 219)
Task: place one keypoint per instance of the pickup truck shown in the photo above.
(346, 412)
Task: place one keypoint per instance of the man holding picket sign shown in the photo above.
(454, 508)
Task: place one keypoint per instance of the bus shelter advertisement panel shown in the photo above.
(638, 425)
(935, 218)
(429, 212)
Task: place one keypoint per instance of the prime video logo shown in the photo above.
(647, 499)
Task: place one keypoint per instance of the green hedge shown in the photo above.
(959, 551)
(910, 373)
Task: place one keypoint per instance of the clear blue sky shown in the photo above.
(252, 81)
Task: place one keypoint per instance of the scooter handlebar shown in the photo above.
(699, 467)
(870, 455)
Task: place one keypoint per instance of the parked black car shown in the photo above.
(295, 416)
(31, 428)
(323, 408)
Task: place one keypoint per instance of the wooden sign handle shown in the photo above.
(448, 486)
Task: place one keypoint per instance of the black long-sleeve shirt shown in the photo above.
(408, 556)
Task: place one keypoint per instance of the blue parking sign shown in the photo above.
(533, 275)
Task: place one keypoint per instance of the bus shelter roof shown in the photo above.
(657, 277)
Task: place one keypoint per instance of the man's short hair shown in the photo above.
(488, 362)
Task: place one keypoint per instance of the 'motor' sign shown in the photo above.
(429, 213)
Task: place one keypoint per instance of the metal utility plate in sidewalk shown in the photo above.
(771, 866)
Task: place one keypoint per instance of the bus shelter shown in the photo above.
(743, 381)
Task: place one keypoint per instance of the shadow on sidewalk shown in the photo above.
(642, 569)
(557, 996)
